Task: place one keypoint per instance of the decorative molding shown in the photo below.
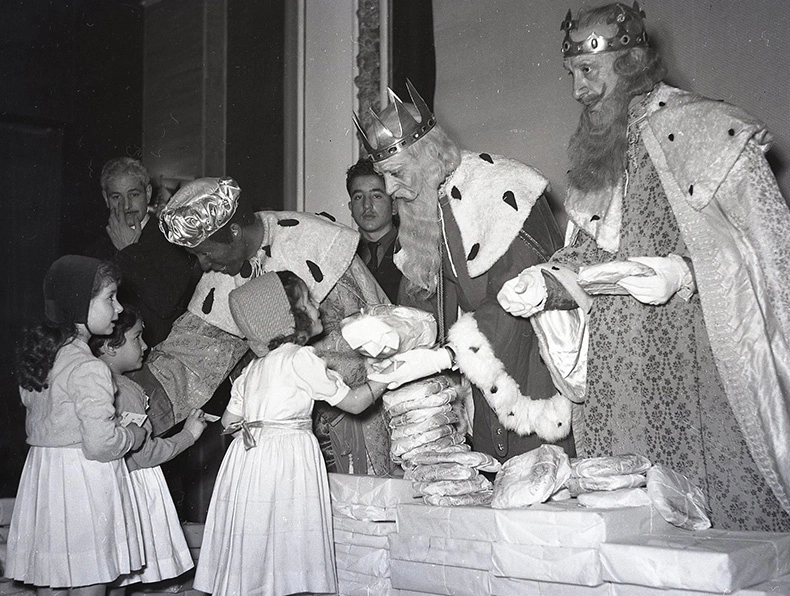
(368, 81)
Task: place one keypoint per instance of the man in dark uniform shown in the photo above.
(374, 213)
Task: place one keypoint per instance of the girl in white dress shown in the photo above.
(166, 551)
(74, 528)
(269, 530)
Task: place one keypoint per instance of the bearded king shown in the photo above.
(681, 240)
(469, 222)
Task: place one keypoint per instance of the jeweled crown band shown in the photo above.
(630, 33)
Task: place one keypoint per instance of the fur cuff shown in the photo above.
(549, 418)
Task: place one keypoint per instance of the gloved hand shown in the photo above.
(412, 365)
(524, 295)
(659, 288)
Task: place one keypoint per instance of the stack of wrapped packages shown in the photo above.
(363, 515)
(520, 544)
(609, 481)
(656, 532)
(609, 526)
(632, 480)
(617, 481)
(426, 417)
(428, 440)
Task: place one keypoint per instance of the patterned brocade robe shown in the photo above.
(668, 381)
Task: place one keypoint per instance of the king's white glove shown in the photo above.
(525, 295)
(671, 271)
(412, 365)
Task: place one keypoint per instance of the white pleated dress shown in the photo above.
(269, 527)
(166, 551)
(75, 520)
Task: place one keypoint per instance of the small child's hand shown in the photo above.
(139, 434)
(377, 388)
(195, 423)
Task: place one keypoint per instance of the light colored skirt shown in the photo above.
(75, 521)
(269, 526)
(166, 550)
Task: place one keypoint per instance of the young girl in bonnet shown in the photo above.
(268, 529)
(74, 525)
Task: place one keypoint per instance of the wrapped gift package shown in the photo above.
(472, 554)
(569, 565)
(356, 539)
(360, 584)
(363, 559)
(466, 523)
(439, 579)
(357, 526)
(774, 587)
(567, 524)
(367, 497)
(707, 560)
(362, 533)
(510, 586)
(363, 512)
(385, 329)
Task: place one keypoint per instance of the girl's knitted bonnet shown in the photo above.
(67, 289)
(261, 310)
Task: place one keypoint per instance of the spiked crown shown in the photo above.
(386, 142)
(630, 33)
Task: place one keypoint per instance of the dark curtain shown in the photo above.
(70, 98)
(254, 152)
(413, 52)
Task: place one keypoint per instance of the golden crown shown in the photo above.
(630, 33)
(386, 142)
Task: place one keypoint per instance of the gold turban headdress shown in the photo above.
(198, 209)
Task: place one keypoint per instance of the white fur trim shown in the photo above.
(488, 221)
(549, 418)
(329, 247)
(213, 289)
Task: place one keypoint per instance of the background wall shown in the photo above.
(501, 86)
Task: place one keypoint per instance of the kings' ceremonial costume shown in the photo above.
(205, 344)
(496, 222)
(701, 383)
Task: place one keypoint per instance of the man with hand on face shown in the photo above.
(157, 277)
(681, 240)
(374, 212)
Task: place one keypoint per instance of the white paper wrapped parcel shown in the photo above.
(386, 329)
(715, 561)
(531, 477)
